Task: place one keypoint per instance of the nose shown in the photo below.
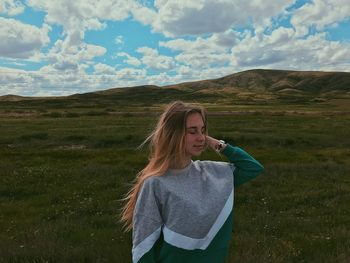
(201, 137)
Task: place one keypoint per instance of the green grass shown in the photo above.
(61, 176)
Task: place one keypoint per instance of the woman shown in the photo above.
(181, 210)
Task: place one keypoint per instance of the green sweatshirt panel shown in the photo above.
(216, 252)
(246, 167)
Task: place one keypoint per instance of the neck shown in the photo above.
(181, 165)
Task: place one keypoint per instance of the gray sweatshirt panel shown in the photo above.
(187, 201)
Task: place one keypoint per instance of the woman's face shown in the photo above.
(195, 135)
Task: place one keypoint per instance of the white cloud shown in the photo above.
(20, 40)
(100, 68)
(14, 76)
(11, 7)
(153, 60)
(160, 79)
(143, 14)
(213, 72)
(44, 82)
(64, 56)
(182, 17)
(204, 52)
(15, 82)
(226, 39)
(184, 71)
(48, 81)
(89, 52)
(131, 75)
(320, 13)
(218, 42)
(284, 49)
(73, 81)
(119, 40)
(201, 60)
(129, 59)
(83, 14)
(192, 46)
(281, 35)
(176, 18)
(78, 16)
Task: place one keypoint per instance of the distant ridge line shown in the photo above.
(259, 81)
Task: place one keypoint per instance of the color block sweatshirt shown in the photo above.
(186, 215)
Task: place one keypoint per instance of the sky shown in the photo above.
(63, 47)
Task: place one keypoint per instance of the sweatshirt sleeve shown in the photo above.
(246, 167)
(147, 224)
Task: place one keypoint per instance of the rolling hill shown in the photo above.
(255, 82)
(252, 85)
(272, 81)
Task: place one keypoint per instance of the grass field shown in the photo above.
(62, 172)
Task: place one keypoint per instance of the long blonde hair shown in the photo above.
(167, 147)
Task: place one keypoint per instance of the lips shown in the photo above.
(198, 147)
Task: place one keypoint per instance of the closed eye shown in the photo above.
(194, 130)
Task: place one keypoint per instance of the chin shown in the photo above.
(197, 153)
